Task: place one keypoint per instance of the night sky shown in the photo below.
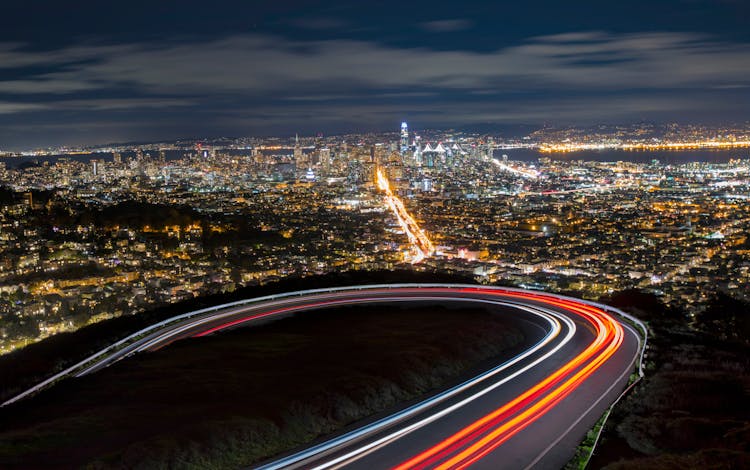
(93, 72)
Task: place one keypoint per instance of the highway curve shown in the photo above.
(528, 412)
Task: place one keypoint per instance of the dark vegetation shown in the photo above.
(691, 411)
(139, 215)
(30, 365)
(8, 196)
(246, 394)
(132, 214)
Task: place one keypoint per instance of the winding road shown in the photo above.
(530, 411)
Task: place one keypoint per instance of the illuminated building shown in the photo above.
(428, 156)
(440, 155)
(97, 167)
(417, 151)
(404, 138)
(310, 175)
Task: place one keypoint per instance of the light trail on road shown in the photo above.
(483, 436)
(530, 174)
(419, 240)
(517, 414)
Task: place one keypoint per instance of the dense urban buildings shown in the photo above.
(94, 233)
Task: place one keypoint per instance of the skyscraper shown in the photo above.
(417, 161)
(404, 138)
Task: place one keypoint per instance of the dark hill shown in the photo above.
(240, 396)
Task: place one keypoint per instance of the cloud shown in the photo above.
(440, 113)
(256, 64)
(44, 85)
(264, 80)
(319, 23)
(577, 36)
(732, 86)
(124, 103)
(353, 97)
(446, 26)
(12, 108)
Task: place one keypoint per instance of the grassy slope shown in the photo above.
(243, 395)
(691, 410)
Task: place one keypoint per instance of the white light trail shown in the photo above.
(422, 245)
(530, 174)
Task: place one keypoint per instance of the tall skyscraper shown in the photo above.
(404, 138)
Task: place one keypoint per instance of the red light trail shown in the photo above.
(484, 435)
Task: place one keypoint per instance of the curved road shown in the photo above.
(528, 412)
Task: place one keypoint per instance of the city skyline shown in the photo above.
(521, 211)
(644, 135)
(87, 74)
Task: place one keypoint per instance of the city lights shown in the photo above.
(421, 243)
(92, 235)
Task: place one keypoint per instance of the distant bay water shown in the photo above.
(521, 154)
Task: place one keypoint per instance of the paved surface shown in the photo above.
(528, 412)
